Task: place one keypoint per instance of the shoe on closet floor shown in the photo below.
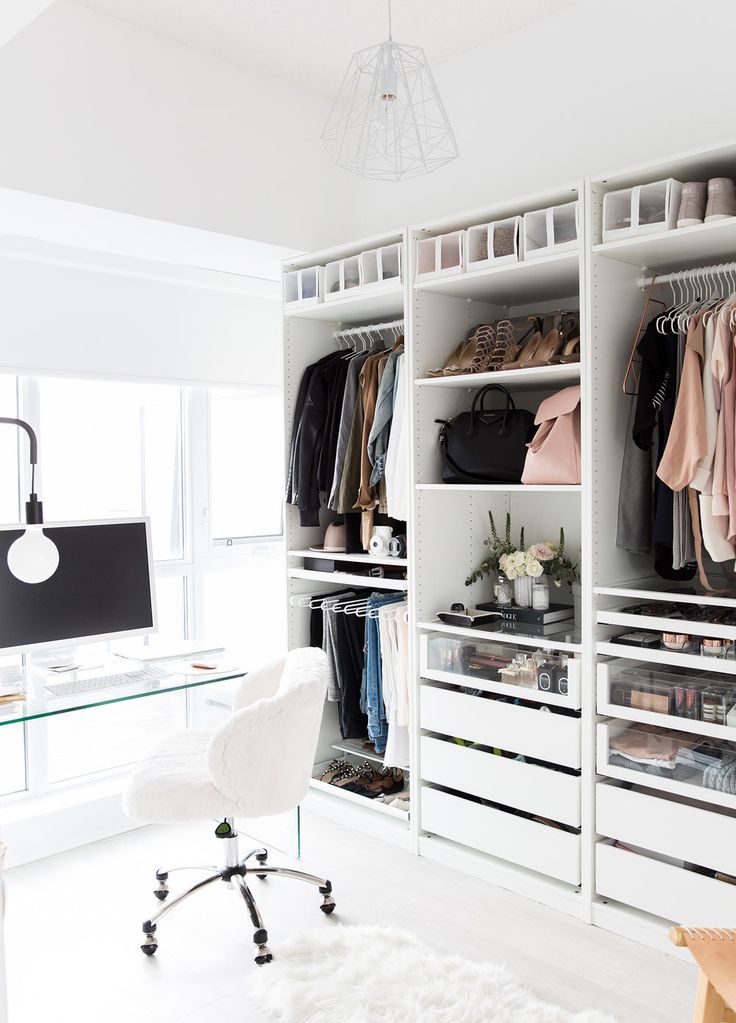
(721, 199)
(693, 201)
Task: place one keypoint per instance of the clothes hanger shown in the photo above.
(630, 365)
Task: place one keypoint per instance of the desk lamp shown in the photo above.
(32, 558)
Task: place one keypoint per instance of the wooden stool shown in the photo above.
(714, 950)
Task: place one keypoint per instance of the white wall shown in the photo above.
(127, 319)
(597, 87)
(100, 112)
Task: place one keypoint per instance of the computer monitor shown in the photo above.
(103, 587)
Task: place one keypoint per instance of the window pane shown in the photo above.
(112, 450)
(246, 463)
(9, 490)
(101, 738)
(243, 608)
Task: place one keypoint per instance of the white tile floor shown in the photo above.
(73, 930)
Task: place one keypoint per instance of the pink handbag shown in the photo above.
(554, 453)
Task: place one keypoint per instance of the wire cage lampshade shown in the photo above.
(388, 121)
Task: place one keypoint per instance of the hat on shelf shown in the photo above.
(334, 540)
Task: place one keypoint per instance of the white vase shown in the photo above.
(523, 591)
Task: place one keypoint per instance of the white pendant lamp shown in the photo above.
(388, 121)
(32, 558)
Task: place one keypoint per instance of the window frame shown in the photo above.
(200, 554)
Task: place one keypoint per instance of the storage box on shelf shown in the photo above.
(341, 277)
(304, 288)
(494, 244)
(643, 209)
(440, 256)
(686, 764)
(550, 231)
(676, 698)
(539, 676)
(380, 267)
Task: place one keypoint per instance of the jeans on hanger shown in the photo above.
(372, 698)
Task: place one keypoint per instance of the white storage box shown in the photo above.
(494, 244)
(441, 256)
(536, 790)
(341, 277)
(304, 287)
(663, 889)
(530, 731)
(550, 231)
(643, 209)
(381, 267)
(670, 827)
(536, 846)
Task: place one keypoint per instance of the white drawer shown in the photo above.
(535, 846)
(531, 731)
(668, 827)
(536, 790)
(664, 890)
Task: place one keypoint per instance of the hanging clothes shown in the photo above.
(397, 471)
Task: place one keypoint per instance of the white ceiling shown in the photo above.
(308, 42)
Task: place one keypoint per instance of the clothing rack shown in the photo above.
(696, 272)
(368, 329)
(357, 606)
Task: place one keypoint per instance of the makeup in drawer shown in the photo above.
(533, 845)
(533, 731)
(663, 889)
(667, 826)
(536, 790)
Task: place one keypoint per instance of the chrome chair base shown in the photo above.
(234, 873)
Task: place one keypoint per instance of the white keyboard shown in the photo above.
(126, 678)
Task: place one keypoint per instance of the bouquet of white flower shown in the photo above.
(547, 558)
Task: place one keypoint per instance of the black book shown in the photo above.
(530, 616)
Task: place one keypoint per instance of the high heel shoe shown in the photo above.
(528, 346)
(570, 330)
(452, 360)
(476, 354)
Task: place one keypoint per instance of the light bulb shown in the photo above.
(33, 558)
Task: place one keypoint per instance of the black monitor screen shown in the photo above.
(102, 586)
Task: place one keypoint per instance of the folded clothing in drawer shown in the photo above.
(710, 763)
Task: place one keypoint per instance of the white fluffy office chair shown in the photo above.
(258, 763)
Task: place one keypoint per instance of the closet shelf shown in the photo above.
(501, 688)
(673, 250)
(721, 665)
(355, 748)
(645, 592)
(361, 801)
(363, 559)
(555, 276)
(502, 488)
(366, 582)
(550, 642)
(358, 308)
(516, 379)
(616, 616)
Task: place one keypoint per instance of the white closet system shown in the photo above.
(576, 869)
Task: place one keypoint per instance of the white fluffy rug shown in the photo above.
(384, 975)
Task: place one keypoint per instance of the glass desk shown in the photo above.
(40, 702)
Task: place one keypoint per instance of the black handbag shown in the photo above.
(486, 445)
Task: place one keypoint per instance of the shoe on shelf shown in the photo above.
(527, 345)
(387, 783)
(333, 769)
(569, 328)
(692, 203)
(475, 354)
(721, 199)
(452, 360)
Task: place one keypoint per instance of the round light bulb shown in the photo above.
(33, 558)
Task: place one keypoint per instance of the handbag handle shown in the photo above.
(478, 407)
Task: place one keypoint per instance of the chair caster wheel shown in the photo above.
(162, 891)
(149, 946)
(328, 904)
(261, 877)
(264, 956)
(262, 858)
